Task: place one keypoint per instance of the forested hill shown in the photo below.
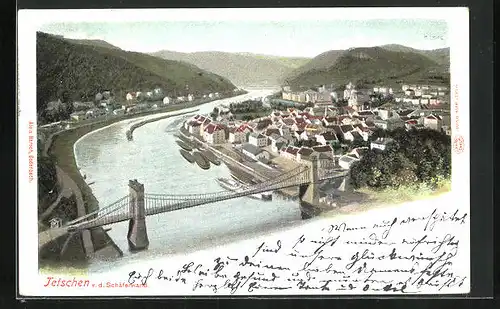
(73, 71)
(367, 66)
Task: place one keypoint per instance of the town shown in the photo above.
(106, 105)
(335, 127)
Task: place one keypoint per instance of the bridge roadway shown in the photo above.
(161, 203)
(158, 203)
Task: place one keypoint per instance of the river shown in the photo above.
(109, 160)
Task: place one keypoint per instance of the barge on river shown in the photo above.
(184, 145)
(210, 156)
(201, 160)
(236, 186)
(187, 155)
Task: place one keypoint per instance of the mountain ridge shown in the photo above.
(73, 71)
(240, 68)
(372, 65)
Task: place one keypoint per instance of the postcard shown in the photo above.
(243, 152)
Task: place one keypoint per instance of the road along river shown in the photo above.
(109, 160)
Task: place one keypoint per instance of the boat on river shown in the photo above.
(201, 160)
(210, 156)
(129, 135)
(184, 145)
(187, 155)
(236, 186)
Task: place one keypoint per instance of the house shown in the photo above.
(78, 106)
(304, 153)
(359, 152)
(411, 123)
(167, 100)
(353, 136)
(214, 134)
(95, 112)
(193, 127)
(326, 150)
(410, 92)
(190, 97)
(78, 116)
(389, 123)
(118, 111)
(327, 138)
(346, 161)
(345, 129)
(236, 135)
(283, 129)
(255, 152)
(277, 142)
(55, 222)
(436, 122)
(290, 152)
(149, 94)
(257, 139)
(364, 131)
(270, 131)
(328, 121)
(381, 143)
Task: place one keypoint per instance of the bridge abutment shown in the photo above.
(137, 232)
(309, 193)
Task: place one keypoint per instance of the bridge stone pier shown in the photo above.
(137, 233)
(309, 192)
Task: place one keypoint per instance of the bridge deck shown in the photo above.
(158, 203)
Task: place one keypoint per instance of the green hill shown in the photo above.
(441, 56)
(95, 43)
(369, 66)
(243, 69)
(70, 71)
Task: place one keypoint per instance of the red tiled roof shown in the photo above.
(346, 128)
(288, 121)
(436, 117)
(292, 150)
(329, 136)
(270, 131)
(305, 151)
(211, 128)
(299, 120)
(330, 119)
(322, 148)
(243, 127)
(301, 126)
(412, 121)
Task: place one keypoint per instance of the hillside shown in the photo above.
(324, 60)
(441, 56)
(369, 66)
(243, 69)
(70, 71)
(95, 43)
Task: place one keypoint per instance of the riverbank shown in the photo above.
(248, 173)
(130, 131)
(60, 146)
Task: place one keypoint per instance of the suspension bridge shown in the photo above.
(137, 205)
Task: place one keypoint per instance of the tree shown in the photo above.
(417, 156)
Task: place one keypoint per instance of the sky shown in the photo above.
(291, 38)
